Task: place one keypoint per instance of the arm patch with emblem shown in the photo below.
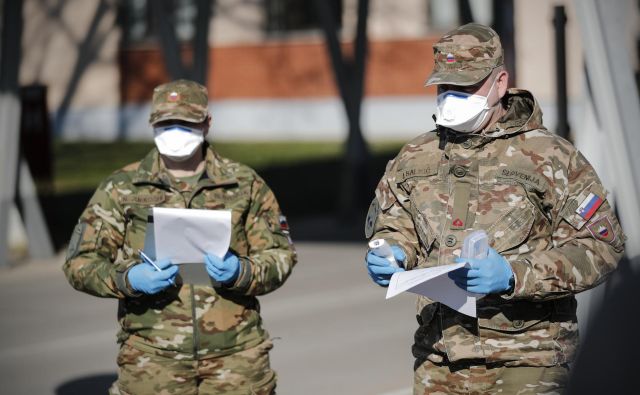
(579, 210)
(76, 239)
(372, 217)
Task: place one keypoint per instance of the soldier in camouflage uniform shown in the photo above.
(178, 337)
(551, 229)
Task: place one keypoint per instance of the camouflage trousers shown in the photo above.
(434, 379)
(243, 373)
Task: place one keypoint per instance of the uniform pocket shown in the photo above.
(425, 189)
(511, 331)
(135, 229)
(512, 226)
(425, 232)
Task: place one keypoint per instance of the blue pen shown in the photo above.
(149, 261)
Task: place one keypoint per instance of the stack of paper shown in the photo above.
(434, 283)
(186, 235)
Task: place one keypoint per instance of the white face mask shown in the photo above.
(178, 142)
(463, 112)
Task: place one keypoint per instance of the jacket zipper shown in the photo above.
(194, 319)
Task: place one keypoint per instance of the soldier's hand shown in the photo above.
(145, 278)
(224, 270)
(380, 269)
(492, 274)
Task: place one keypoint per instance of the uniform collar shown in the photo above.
(153, 171)
(523, 114)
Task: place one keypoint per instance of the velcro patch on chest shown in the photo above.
(144, 199)
(529, 178)
(230, 195)
(426, 170)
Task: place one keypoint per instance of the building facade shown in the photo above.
(269, 74)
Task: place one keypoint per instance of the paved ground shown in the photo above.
(335, 333)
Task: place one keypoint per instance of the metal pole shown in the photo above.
(40, 245)
(9, 114)
(559, 23)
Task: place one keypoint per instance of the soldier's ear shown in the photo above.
(207, 125)
(502, 82)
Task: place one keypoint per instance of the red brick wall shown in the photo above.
(285, 70)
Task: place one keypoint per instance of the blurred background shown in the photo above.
(317, 96)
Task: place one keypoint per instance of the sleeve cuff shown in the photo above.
(411, 258)
(521, 269)
(122, 281)
(243, 282)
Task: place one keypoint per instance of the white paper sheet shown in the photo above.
(185, 235)
(434, 283)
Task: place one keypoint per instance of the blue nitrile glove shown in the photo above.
(145, 278)
(224, 270)
(380, 269)
(492, 274)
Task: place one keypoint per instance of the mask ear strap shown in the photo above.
(489, 93)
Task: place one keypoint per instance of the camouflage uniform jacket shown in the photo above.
(523, 185)
(186, 321)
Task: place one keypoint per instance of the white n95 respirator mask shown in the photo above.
(178, 142)
(462, 112)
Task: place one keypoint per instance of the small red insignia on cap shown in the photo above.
(458, 222)
(173, 96)
(450, 58)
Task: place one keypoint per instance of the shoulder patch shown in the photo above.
(284, 225)
(602, 229)
(372, 217)
(76, 239)
(589, 206)
(579, 210)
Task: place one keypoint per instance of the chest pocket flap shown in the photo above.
(512, 227)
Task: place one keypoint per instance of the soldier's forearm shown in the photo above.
(572, 268)
(96, 275)
(268, 270)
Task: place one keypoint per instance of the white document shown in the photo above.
(186, 235)
(434, 283)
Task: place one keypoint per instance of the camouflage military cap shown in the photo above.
(182, 100)
(466, 55)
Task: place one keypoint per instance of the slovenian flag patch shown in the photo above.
(589, 206)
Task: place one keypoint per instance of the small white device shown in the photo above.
(382, 249)
(476, 245)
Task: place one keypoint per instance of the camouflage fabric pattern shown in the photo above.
(188, 321)
(245, 372)
(181, 99)
(432, 379)
(466, 55)
(522, 185)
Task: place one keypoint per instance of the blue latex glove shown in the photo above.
(224, 270)
(145, 278)
(380, 269)
(492, 274)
